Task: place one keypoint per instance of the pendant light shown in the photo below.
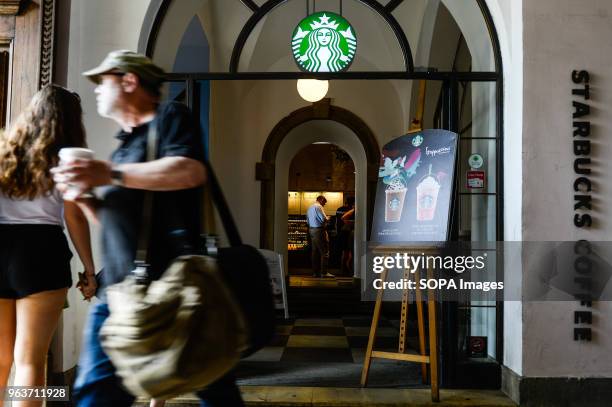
(312, 90)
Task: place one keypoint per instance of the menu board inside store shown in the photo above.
(299, 202)
(415, 183)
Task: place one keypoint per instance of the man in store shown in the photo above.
(317, 223)
(128, 92)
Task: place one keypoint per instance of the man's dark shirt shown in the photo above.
(175, 223)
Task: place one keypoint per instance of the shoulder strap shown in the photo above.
(219, 201)
(147, 205)
(217, 197)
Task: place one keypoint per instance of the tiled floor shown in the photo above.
(327, 352)
(317, 340)
(325, 344)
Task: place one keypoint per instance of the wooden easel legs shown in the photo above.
(421, 328)
(424, 359)
(368, 355)
(433, 350)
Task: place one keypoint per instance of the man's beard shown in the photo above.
(106, 110)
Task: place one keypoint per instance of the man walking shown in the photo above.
(128, 92)
(317, 222)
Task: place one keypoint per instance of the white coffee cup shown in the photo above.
(69, 155)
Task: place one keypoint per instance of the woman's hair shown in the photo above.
(314, 63)
(29, 149)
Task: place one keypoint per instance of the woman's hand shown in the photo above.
(87, 284)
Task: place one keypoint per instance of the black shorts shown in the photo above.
(345, 240)
(33, 258)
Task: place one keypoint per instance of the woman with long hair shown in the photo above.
(34, 255)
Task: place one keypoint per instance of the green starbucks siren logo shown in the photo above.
(324, 42)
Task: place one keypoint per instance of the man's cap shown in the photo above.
(127, 61)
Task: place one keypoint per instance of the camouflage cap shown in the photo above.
(127, 61)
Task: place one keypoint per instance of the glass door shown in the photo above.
(471, 337)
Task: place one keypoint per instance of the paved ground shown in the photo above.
(277, 396)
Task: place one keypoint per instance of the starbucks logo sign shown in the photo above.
(324, 42)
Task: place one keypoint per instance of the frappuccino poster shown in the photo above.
(415, 183)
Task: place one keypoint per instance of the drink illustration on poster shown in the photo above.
(396, 174)
(427, 197)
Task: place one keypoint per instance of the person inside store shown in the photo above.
(347, 242)
(35, 258)
(128, 91)
(319, 238)
(342, 230)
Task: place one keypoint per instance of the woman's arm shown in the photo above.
(347, 216)
(78, 228)
(88, 206)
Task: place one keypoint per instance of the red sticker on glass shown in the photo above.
(475, 179)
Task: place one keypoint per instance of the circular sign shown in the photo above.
(324, 42)
(475, 161)
(477, 345)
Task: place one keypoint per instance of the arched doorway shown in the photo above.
(294, 132)
(327, 169)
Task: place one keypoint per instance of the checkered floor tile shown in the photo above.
(326, 340)
(328, 352)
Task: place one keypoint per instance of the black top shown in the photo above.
(339, 212)
(175, 225)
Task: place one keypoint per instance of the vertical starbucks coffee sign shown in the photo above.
(324, 42)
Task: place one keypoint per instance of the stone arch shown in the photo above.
(265, 170)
